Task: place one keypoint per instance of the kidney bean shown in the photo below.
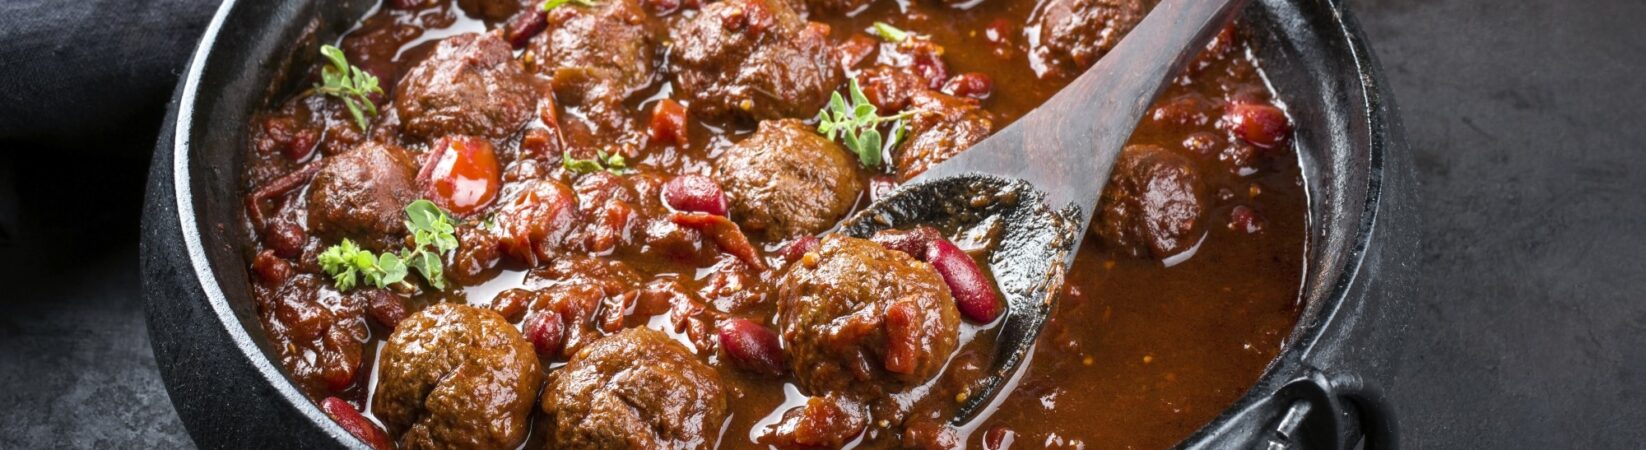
(752, 347)
(972, 291)
(999, 438)
(725, 234)
(1246, 220)
(902, 337)
(695, 193)
(928, 63)
(385, 307)
(356, 424)
(1259, 124)
(799, 248)
(285, 238)
(544, 331)
(461, 174)
(524, 26)
(270, 269)
(970, 84)
(911, 242)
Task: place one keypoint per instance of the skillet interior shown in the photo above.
(230, 392)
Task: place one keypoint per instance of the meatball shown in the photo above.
(946, 126)
(755, 59)
(786, 180)
(1067, 36)
(860, 317)
(456, 377)
(598, 56)
(470, 84)
(360, 195)
(1152, 204)
(602, 399)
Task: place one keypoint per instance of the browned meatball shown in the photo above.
(634, 389)
(1152, 204)
(360, 195)
(598, 56)
(471, 84)
(786, 180)
(754, 58)
(858, 317)
(946, 126)
(456, 377)
(1067, 36)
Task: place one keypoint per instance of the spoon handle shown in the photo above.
(1068, 145)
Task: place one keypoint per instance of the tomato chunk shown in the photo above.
(461, 174)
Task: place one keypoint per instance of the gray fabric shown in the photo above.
(78, 70)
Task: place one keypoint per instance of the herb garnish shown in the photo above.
(552, 4)
(857, 125)
(433, 235)
(890, 33)
(349, 83)
(613, 163)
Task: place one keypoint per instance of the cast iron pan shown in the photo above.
(1319, 393)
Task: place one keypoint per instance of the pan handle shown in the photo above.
(1324, 411)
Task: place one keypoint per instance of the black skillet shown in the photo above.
(1319, 393)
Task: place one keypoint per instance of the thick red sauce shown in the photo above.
(1150, 341)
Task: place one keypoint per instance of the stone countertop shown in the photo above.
(1524, 118)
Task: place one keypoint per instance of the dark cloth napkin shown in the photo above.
(75, 72)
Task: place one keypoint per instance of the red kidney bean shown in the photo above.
(385, 307)
(799, 248)
(543, 330)
(524, 26)
(911, 242)
(970, 84)
(1259, 124)
(285, 238)
(271, 270)
(1244, 219)
(752, 347)
(668, 124)
(695, 193)
(902, 341)
(356, 424)
(998, 438)
(928, 63)
(461, 174)
(726, 234)
(972, 291)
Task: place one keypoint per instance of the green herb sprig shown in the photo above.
(890, 33)
(348, 83)
(612, 163)
(433, 234)
(857, 126)
(552, 4)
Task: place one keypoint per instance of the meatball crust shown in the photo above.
(1152, 204)
(360, 194)
(470, 84)
(1067, 36)
(860, 317)
(755, 59)
(456, 377)
(603, 399)
(946, 126)
(598, 56)
(786, 180)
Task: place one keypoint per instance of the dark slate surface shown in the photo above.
(1531, 331)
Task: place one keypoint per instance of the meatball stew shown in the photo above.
(499, 224)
